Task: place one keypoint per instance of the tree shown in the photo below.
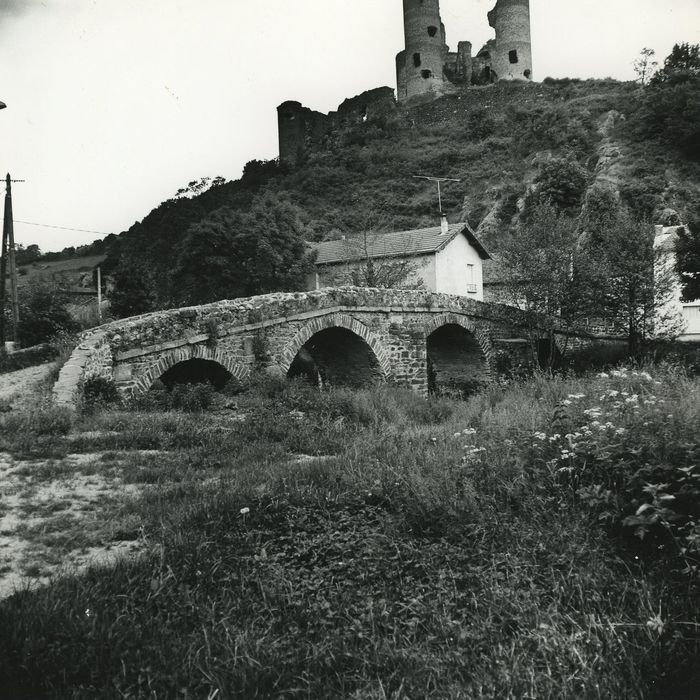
(540, 258)
(628, 283)
(561, 182)
(133, 289)
(25, 256)
(682, 64)
(233, 254)
(367, 269)
(644, 66)
(688, 260)
(43, 314)
(671, 106)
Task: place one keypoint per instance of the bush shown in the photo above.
(98, 391)
(192, 398)
(43, 314)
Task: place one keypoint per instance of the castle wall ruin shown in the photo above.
(301, 129)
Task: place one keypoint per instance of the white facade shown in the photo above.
(459, 270)
(686, 313)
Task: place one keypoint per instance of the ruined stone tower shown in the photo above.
(511, 57)
(419, 68)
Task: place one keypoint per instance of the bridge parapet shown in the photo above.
(241, 334)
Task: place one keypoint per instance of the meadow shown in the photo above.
(540, 539)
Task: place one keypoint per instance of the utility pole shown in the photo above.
(8, 261)
(99, 294)
(439, 181)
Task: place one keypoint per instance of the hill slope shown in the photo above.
(495, 140)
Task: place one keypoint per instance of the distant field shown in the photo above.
(75, 272)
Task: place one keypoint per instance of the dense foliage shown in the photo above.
(670, 109)
(233, 254)
(43, 314)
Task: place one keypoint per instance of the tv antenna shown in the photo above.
(439, 181)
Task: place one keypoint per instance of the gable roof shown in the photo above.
(400, 244)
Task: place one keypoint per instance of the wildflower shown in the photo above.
(245, 511)
(540, 436)
(566, 402)
(469, 431)
(576, 397)
(458, 435)
(620, 431)
(645, 375)
(88, 612)
(555, 437)
(603, 375)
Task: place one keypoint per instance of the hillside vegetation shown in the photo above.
(497, 140)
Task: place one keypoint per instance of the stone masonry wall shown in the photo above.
(270, 330)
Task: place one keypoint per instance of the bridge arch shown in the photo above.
(169, 359)
(459, 353)
(326, 323)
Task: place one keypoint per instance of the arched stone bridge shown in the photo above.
(345, 335)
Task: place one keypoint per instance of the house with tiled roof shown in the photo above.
(447, 259)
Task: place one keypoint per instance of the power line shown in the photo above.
(62, 228)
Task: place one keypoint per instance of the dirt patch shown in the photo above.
(55, 519)
(17, 388)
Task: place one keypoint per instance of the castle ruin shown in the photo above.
(426, 67)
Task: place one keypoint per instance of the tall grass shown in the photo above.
(375, 544)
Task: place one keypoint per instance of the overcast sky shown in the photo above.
(115, 104)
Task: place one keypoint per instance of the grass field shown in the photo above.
(539, 540)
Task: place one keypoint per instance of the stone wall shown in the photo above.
(269, 331)
(302, 130)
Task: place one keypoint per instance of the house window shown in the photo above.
(470, 274)
(513, 56)
(416, 59)
(432, 31)
(426, 74)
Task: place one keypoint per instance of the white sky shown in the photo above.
(115, 104)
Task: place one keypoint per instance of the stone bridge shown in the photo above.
(343, 336)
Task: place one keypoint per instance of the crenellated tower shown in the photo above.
(511, 58)
(419, 68)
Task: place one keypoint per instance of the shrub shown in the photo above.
(192, 397)
(43, 314)
(99, 391)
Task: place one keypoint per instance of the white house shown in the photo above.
(447, 259)
(688, 311)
